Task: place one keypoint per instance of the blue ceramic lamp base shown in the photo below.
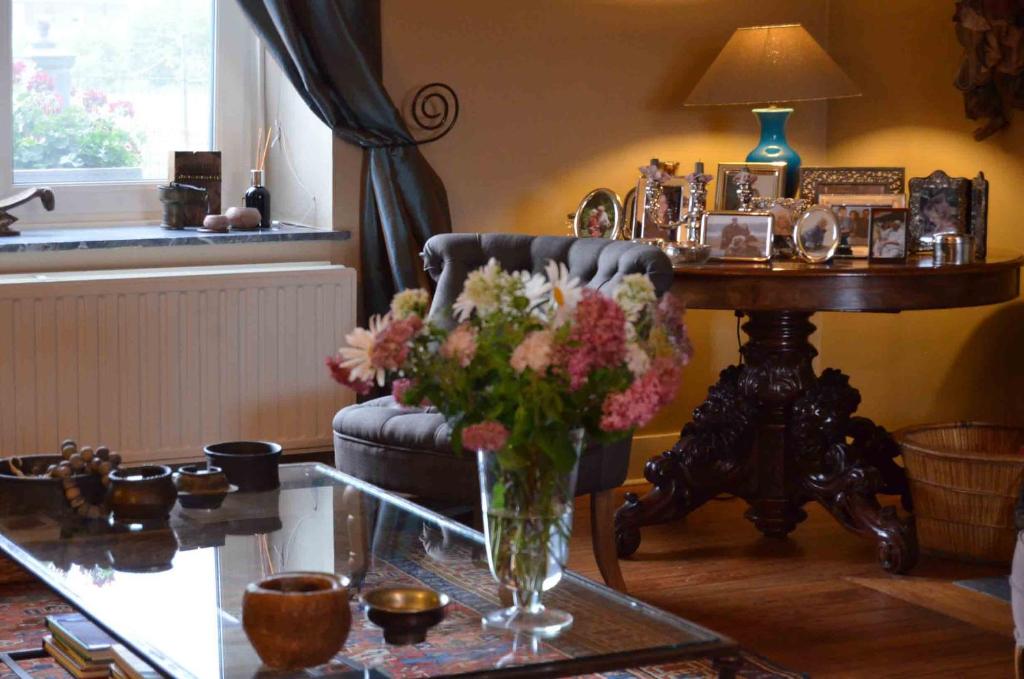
(773, 146)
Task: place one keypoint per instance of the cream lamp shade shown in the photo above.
(771, 64)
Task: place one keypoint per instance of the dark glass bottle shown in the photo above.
(258, 197)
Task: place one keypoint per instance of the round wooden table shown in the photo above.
(776, 434)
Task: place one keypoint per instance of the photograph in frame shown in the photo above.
(599, 215)
(939, 204)
(890, 235)
(770, 183)
(817, 181)
(816, 235)
(738, 236)
(666, 208)
(853, 213)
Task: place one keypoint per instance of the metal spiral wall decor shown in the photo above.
(434, 109)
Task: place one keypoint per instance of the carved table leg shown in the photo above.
(705, 462)
(776, 435)
(848, 461)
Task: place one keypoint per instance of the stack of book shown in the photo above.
(79, 646)
(87, 652)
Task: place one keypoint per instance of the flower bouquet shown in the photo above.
(534, 366)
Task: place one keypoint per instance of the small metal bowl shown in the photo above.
(405, 613)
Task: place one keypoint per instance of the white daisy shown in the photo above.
(535, 287)
(357, 354)
(565, 292)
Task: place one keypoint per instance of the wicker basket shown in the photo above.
(965, 479)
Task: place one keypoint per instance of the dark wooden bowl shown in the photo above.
(250, 465)
(19, 495)
(141, 494)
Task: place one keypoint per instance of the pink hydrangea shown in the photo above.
(399, 387)
(391, 345)
(460, 345)
(489, 436)
(637, 405)
(597, 339)
(343, 376)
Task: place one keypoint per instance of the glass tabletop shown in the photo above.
(173, 594)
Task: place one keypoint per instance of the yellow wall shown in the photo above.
(936, 365)
(563, 96)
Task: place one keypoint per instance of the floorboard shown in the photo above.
(818, 601)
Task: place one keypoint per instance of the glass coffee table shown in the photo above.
(173, 594)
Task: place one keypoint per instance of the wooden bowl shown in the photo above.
(298, 619)
(140, 494)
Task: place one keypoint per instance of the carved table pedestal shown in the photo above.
(779, 436)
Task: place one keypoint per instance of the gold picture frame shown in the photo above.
(774, 186)
(604, 208)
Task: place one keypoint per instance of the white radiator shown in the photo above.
(154, 363)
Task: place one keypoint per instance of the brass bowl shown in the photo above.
(405, 613)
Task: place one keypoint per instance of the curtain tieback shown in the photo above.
(434, 110)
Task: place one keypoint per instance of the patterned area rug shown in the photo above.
(24, 604)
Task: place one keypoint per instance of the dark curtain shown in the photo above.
(331, 52)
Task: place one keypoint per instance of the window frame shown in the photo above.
(236, 79)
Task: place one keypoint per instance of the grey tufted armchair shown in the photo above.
(407, 450)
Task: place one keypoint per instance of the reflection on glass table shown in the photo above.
(174, 594)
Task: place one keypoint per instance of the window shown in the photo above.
(102, 90)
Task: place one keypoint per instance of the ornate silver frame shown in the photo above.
(937, 181)
(617, 218)
(764, 257)
(802, 224)
(814, 180)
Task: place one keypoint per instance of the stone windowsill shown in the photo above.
(99, 238)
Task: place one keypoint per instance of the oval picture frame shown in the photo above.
(592, 219)
(811, 219)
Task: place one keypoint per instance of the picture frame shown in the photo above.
(853, 215)
(938, 204)
(599, 215)
(816, 235)
(770, 183)
(738, 236)
(630, 227)
(674, 205)
(889, 235)
(979, 216)
(815, 181)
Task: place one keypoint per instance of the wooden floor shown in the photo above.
(816, 602)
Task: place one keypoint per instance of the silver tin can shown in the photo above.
(953, 248)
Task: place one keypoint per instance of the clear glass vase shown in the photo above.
(527, 516)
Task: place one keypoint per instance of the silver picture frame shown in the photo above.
(816, 217)
(938, 197)
(716, 225)
(815, 181)
(592, 218)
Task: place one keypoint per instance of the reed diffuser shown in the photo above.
(257, 196)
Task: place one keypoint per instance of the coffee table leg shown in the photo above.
(727, 666)
(707, 460)
(847, 461)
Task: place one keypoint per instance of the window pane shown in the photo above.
(104, 89)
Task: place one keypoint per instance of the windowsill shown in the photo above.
(100, 238)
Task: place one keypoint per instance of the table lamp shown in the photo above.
(770, 65)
